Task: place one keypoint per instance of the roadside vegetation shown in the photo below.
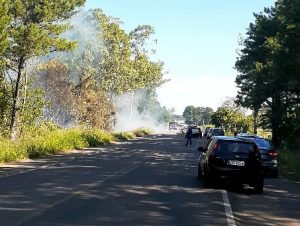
(289, 164)
(52, 141)
(54, 84)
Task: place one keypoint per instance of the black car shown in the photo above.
(268, 154)
(233, 160)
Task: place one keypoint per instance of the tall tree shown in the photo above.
(34, 31)
(188, 114)
(269, 67)
(125, 65)
(4, 22)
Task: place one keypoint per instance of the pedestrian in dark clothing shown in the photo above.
(188, 136)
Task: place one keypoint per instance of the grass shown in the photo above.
(45, 142)
(289, 164)
(123, 136)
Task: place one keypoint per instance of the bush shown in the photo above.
(289, 164)
(123, 136)
(141, 132)
(55, 141)
(97, 137)
(48, 140)
(11, 151)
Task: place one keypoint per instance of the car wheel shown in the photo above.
(259, 185)
(274, 173)
(206, 180)
(199, 172)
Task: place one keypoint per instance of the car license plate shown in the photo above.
(236, 163)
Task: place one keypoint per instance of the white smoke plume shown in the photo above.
(128, 116)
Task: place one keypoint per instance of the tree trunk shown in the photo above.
(276, 120)
(16, 97)
(255, 114)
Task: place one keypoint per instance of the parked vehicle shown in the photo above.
(206, 131)
(268, 153)
(232, 160)
(196, 131)
(215, 132)
(173, 125)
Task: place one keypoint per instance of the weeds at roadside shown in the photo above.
(54, 141)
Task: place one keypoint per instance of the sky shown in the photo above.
(197, 41)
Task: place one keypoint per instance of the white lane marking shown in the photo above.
(228, 210)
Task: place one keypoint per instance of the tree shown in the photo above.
(269, 67)
(34, 31)
(54, 79)
(188, 114)
(125, 65)
(4, 22)
(231, 117)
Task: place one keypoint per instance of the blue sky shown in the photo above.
(197, 41)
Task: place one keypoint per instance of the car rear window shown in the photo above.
(261, 143)
(217, 131)
(239, 147)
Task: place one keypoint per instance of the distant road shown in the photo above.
(147, 181)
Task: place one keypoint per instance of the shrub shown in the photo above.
(49, 139)
(11, 151)
(140, 132)
(95, 137)
(289, 164)
(122, 136)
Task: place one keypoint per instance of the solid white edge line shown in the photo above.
(228, 210)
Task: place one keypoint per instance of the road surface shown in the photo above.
(147, 181)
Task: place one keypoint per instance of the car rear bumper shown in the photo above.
(235, 174)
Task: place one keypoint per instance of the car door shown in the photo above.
(204, 155)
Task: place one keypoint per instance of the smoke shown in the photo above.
(133, 111)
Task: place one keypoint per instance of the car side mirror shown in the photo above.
(201, 149)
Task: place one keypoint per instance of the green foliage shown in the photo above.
(4, 22)
(232, 118)
(289, 164)
(48, 139)
(123, 136)
(54, 142)
(10, 151)
(96, 137)
(199, 115)
(269, 66)
(125, 64)
(141, 132)
(33, 29)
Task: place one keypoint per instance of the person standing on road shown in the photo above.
(188, 136)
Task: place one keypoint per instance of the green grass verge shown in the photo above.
(55, 141)
(289, 164)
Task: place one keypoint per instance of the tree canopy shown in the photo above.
(268, 67)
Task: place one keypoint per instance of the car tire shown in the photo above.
(199, 175)
(259, 185)
(274, 173)
(206, 180)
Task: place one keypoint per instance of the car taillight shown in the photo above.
(256, 151)
(215, 147)
(273, 153)
(211, 156)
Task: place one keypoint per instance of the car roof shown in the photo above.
(248, 135)
(228, 138)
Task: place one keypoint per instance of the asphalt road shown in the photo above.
(147, 181)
